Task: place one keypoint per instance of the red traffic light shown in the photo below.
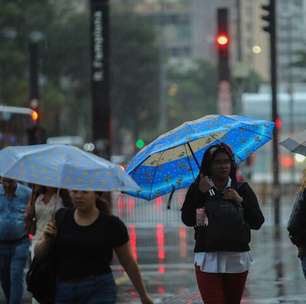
(222, 40)
(278, 123)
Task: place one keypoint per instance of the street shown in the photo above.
(275, 276)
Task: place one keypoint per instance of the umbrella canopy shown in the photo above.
(296, 144)
(172, 160)
(63, 166)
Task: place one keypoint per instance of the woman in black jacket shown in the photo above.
(297, 225)
(222, 212)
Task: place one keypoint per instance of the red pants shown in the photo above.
(221, 288)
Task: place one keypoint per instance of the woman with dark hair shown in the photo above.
(43, 204)
(222, 212)
(85, 237)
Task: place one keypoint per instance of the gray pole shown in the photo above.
(162, 89)
(33, 73)
(162, 76)
(275, 117)
(239, 46)
(290, 88)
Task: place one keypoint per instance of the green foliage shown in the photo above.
(134, 72)
(196, 93)
(64, 50)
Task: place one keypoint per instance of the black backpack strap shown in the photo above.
(237, 185)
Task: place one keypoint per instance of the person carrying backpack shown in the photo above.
(297, 225)
(222, 212)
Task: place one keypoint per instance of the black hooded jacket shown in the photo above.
(297, 223)
(195, 199)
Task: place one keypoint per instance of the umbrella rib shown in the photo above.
(195, 159)
(190, 161)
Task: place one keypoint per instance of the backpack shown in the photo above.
(41, 276)
(226, 229)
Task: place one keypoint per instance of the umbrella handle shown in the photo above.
(56, 202)
(195, 159)
(170, 198)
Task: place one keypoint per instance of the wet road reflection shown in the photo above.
(165, 256)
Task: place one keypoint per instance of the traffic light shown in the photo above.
(35, 111)
(268, 17)
(222, 44)
(34, 116)
(140, 143)
(222, 41)
(278, 123)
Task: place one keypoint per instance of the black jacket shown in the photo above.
(195, 199)
(297, 223)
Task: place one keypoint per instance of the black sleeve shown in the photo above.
(118, 232)
(193, 200)
(252, 212)
(59, 216)
(297, 221)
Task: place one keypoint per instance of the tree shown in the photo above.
(65, 99)
(17, 20)
(196, 93)
(134, 74)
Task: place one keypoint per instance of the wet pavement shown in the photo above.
(275, 276)
(165, 256)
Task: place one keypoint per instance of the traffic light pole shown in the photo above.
(223, 57)
(275, 117)
(33, 71)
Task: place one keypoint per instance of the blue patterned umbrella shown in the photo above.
(63, 166)
(172, 160)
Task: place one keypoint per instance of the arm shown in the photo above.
(46, 239)
(252, 211)
(29, 213)
(193, 199)
(126, 259)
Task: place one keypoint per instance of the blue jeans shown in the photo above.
(303, 262)
(94, 290)
(13, 258)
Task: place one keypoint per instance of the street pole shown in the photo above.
(223, 57)
(33, 71)
(290, 90)
(162, 89)
(101, 110)
(275, 117)
(239, 44)
(163, 114)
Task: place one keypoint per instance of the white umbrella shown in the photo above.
(63, 166)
